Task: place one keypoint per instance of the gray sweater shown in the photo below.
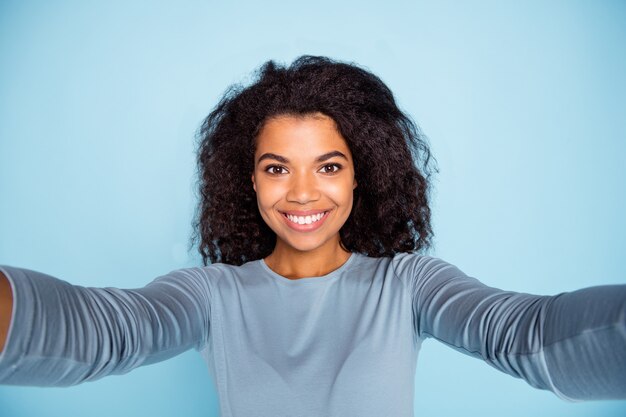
(344, 344)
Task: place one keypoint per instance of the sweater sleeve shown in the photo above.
(62, 334)
(573, 344)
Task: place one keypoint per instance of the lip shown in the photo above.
(304, 227)
(302, 212)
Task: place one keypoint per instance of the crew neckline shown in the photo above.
(322, 278)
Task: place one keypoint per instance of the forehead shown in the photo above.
(304, 135)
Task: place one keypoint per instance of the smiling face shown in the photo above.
(304, 182)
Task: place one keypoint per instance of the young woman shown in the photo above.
(314, 208)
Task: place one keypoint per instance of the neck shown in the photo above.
(294, 264)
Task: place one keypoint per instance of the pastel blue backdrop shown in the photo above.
(524, 105)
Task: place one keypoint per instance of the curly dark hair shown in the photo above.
(393, 163)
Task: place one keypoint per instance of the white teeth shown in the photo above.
(305, 219)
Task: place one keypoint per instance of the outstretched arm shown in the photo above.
(63, 334)
(573, 344)
(6, 308)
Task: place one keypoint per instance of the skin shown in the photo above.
(293, 178)
(6, 307)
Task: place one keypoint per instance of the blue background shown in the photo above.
(524, 106)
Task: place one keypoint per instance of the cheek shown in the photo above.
(341, 193)
(267, 194)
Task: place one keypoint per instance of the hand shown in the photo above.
(6, 308)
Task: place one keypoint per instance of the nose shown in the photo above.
(303, 188)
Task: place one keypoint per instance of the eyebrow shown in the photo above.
(284, 160)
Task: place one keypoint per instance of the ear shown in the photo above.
(253, 183)
(354, 185)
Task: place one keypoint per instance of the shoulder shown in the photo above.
(211, 271)
(415, 267)
(201, 281)
(202, 275)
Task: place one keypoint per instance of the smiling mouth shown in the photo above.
(302, 220)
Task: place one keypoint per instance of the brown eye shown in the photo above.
(331, 168)
(275, 170)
